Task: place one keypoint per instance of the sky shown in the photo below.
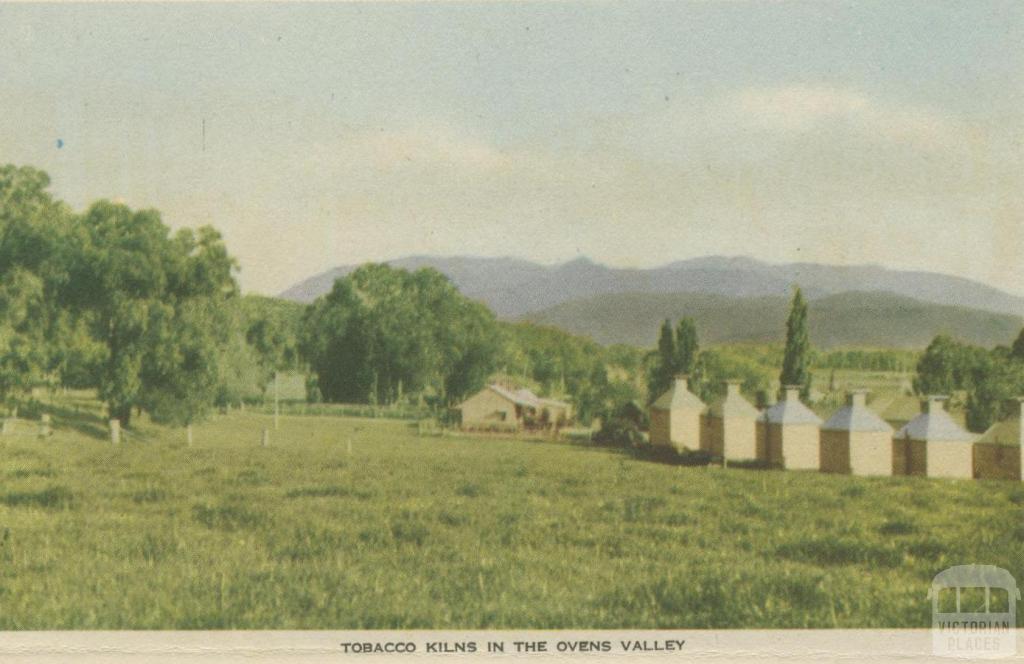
(635, 134)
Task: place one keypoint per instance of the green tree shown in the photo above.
(272, 328)
(996, 379)
(1017, 350)
(139, 285)
(687, 348)
(334, 342)
(22, 340)
(34, 329)
(384, 334)
(714, 367)
(181, 369)
(796, 356)
(662, 369)
(948, 365)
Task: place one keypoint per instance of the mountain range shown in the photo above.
(732, 298)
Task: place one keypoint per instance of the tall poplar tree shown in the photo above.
(664, 367)
(686, 346)
(796, 361)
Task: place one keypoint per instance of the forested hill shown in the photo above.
(513, 287)
(846, 319)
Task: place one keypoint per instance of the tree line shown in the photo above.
(112, 299)
(385, 335)
(981, 380)
(678, 353)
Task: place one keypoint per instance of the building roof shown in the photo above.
(856, 416)
(524, 397)
(934, 423)
(790, 411)
(515, 396)
(733, 405)
(678, 396)
(898, 407)
(1007, 432)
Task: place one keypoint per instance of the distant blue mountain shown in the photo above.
(514, 288)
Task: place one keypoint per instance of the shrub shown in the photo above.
(619, 432)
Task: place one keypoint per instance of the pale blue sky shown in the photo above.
(634, 133)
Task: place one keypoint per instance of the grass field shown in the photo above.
(439, 532)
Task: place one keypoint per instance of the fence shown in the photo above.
(344, 410)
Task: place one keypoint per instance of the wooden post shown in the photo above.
(265, 441)
(277, 404)
(115, 431)
(44, 426)
(188, 434)
(8, 426)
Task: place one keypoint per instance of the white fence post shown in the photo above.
(44, 426)
(115, 431)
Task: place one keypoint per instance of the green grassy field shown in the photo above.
(446, 532)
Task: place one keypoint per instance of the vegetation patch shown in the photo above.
(637, 508)
(154, 548)
(468, 490)
(54, 497)
(452, 518)
(251, 477)
(308, 543)
(408, 529)
(328, 491)
(590, 539)
(898, 526)
(227, 517)
(22, 473)
(853, 491)
(829, 552)
(150, 495)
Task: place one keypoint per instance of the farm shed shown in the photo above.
(932, 444)
(676, 417)
(789, 433)
(999, 452)
(730, 426)
(499, 408)
(855, 440)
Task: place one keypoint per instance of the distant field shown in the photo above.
(410, 532)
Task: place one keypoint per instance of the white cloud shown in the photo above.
(806, 108)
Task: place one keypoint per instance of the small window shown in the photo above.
(998, 600)
(947, 600)
(972, 600)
